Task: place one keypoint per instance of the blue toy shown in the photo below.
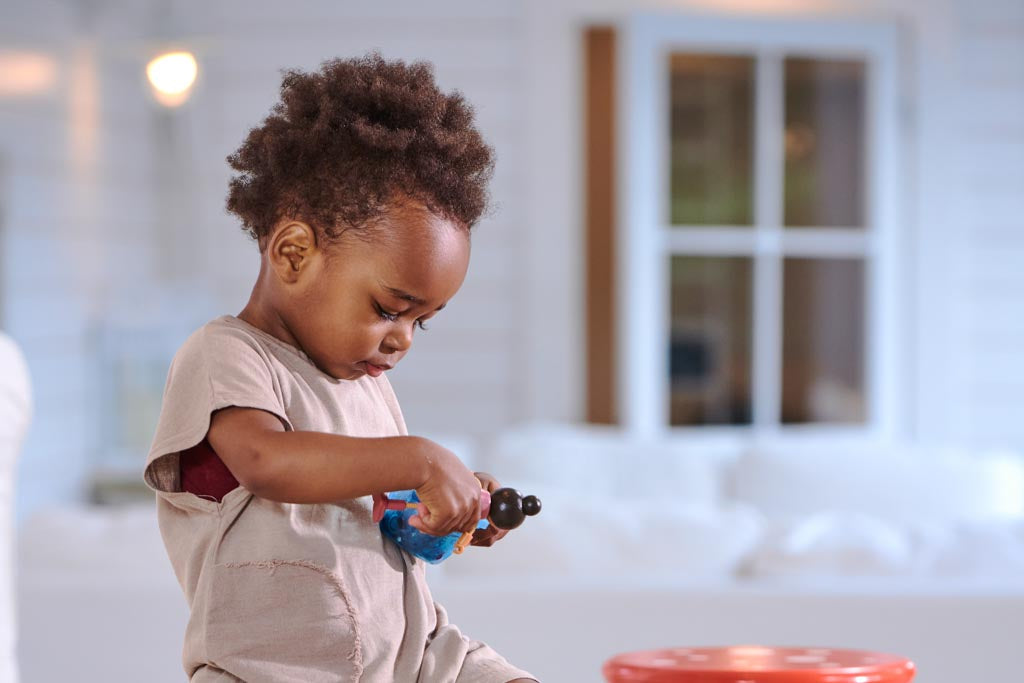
(506, 508)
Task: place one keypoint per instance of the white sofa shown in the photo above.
(636, 548)
(15, 413)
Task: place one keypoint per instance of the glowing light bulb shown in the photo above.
(172, 76)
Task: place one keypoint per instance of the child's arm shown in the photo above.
(316, 467)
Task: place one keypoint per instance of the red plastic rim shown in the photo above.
(758, 664)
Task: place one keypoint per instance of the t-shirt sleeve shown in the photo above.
(217, 367)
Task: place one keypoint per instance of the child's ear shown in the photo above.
(290, 249)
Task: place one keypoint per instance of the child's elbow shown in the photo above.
(245, 447)
(252, 470)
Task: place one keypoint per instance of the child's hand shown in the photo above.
(487, 537)
(450, 494)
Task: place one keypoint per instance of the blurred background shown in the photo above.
(748, 315)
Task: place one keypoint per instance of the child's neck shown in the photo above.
(260, 314)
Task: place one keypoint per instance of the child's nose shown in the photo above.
(399, 339)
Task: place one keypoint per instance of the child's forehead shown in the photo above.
(405, 210)
(418, 233)
(421, 265)
(421, 253)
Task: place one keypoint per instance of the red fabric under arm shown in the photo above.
(204, 473)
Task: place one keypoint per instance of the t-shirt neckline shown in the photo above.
(266, 335)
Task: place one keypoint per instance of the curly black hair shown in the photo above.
(346, 141)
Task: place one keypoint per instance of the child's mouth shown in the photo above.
(374, 370)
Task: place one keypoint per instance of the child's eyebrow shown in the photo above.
(394, 291)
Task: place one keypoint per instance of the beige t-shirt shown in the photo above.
(289, 592)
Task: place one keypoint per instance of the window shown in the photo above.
(756, 225)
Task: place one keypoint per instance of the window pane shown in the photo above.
(824, 143)
(823, 341)
(712, 119)
(709, 349)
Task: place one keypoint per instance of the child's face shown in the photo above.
(355, 307)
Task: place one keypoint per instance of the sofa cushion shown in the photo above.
(830, 545)
(603, 461)
(901, 483)
(581, 535)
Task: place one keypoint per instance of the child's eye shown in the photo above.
(391, 317)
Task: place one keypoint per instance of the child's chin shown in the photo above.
(343, 372)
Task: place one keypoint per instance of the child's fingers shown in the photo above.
(469, 526)
(421, 523)
(483, 537)
(424, 523)
(487, 481)
(430, 522)
(464, 523)
(427, 522)
(489, 536)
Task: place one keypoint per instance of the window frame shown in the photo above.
(646, 240)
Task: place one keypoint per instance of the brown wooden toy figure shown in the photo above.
(509, 508)
(507, 511)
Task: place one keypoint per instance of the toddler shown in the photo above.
(278, 424)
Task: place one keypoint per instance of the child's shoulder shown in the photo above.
(216, 331)
(223, 337)
(229, 340)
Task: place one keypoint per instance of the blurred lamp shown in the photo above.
(26, 73)
(172, 76)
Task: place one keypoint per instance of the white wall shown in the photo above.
(986, 100)
(80, 248)
(50, 143)
(88, 242)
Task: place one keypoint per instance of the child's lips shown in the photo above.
(374, 370)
